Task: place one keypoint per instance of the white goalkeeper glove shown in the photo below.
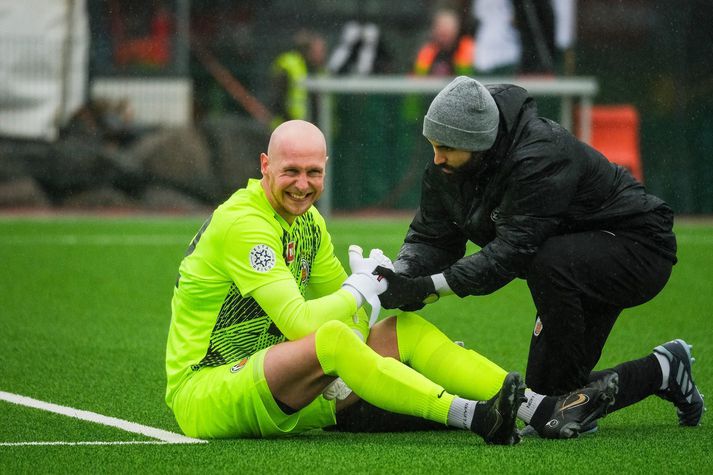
(380, 258)
(362, 283)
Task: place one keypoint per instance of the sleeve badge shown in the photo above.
(262, 258)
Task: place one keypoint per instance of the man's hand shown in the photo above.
(406, 293)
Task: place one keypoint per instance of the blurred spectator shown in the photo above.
(565, 34)
(289, 98)
(524, 36)
(142, 33)
(535, 20)
(497, 39)
(448, 52)
(360, 50)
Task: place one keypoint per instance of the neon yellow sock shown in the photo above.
(430, 352)
(383, 382)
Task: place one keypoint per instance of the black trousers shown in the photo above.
(580, 283)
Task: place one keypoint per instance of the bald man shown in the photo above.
(249, 356)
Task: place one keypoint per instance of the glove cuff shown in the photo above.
(441, 284)
(359, 286)
(357, 296)
(429, 289)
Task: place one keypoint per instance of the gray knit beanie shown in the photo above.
(463, 116)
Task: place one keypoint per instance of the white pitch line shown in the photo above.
(154, 433)
(97, 240)
(97, 442)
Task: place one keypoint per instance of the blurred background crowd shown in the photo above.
(166, 104)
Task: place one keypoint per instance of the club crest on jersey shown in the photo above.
(304, 273)
(238, 366)
(538, 327)
(290, 253)
(262, 258)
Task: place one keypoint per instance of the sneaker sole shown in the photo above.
(529, 431)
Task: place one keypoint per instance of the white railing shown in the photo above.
(569, 89)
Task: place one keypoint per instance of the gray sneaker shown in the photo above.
(681, 391)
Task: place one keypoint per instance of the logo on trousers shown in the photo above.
(538, 327)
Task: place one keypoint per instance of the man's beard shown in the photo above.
(473, 166)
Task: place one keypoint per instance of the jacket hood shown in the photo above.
(513, 103)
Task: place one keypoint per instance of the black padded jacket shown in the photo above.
(537, 181)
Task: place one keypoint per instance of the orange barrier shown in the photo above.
(615, 133)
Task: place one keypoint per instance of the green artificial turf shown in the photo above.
(84, 313)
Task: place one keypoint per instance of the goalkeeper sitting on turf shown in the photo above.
(248, 355)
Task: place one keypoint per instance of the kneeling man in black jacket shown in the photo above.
(545, 207)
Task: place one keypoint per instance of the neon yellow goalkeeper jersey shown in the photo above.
(243, 283)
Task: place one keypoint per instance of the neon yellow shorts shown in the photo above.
(232, 401)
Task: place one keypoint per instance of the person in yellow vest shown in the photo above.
(447, 53)
(290, 100)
